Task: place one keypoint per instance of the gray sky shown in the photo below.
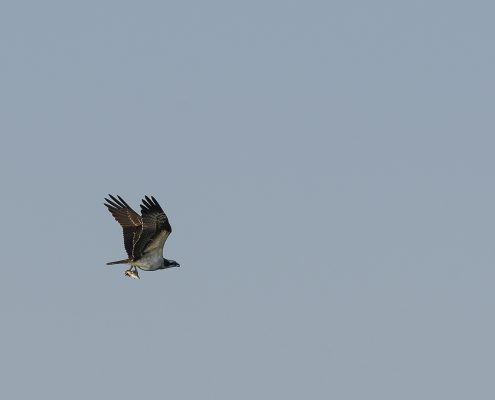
(327, 168)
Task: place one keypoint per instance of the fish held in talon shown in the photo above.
(132, 274)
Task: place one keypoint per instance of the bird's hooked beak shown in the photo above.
(132, 274)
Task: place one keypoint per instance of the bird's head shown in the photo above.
(170, 263)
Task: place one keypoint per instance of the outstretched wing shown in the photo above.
(130, 220)
(156, 227)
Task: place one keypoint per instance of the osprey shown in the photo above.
(144, 235)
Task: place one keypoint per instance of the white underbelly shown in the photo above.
(150, 261)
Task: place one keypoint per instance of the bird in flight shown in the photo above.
(144, 235)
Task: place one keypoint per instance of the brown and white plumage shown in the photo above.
(144, 235)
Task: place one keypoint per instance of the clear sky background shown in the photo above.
(327, 167)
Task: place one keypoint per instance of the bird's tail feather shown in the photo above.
(119, 262)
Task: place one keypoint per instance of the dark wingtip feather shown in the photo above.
(115, 199)
(109, 203)
(118, 202)
(112, 204)
(146, 203)
(123, 201)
